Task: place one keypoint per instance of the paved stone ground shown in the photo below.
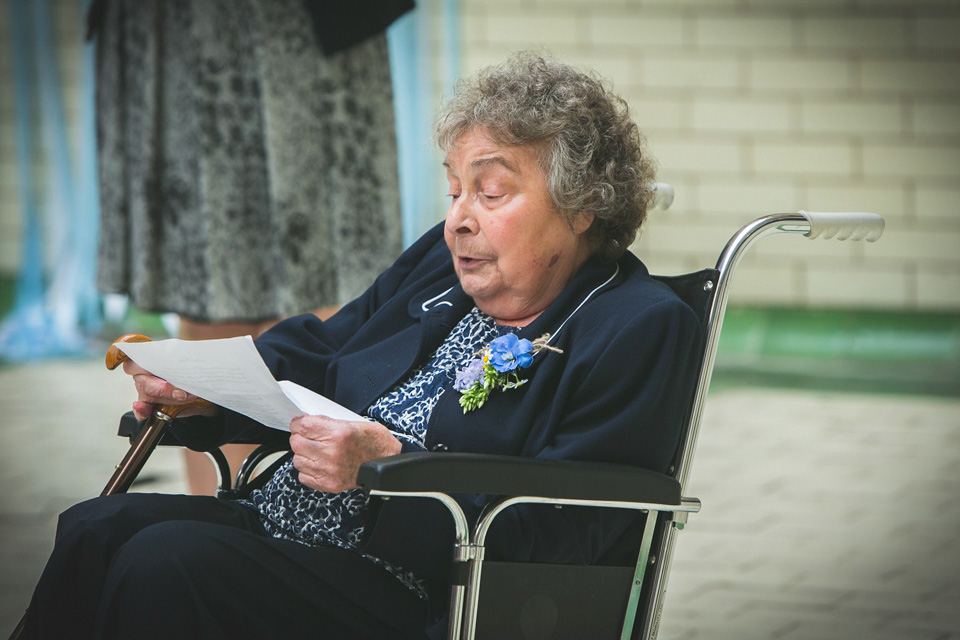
(58, 446)
(825, 516)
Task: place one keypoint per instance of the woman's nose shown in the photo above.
(460, 219)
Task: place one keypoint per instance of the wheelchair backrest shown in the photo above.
(698, 290)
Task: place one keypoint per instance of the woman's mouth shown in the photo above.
(469, 262)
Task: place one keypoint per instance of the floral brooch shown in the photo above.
(496, 366)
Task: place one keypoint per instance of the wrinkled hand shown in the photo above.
(328, 453)
(152, 391)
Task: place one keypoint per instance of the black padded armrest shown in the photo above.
(516, 476)
(129, 428)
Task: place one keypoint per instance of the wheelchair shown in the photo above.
(619, 598)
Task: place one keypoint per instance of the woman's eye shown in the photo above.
(453, 195)
(491, 196)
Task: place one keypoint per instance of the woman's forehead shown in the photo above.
(478, 150)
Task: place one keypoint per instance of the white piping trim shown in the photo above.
(562, 324)
(449, 304)
(589, 295)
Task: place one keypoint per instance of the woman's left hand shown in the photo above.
(328, 453)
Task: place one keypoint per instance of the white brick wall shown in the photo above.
(758, 106)
(750, 107)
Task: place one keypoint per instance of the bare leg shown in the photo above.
(201, 475)
(324, 313)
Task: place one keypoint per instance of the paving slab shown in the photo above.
(825, 516)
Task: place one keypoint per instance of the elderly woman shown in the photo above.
(590, 358)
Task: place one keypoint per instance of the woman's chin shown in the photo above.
(477, 294)
(485, 299)
(476, 285)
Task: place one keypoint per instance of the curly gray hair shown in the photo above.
(595, 161)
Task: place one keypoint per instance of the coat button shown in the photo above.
(439, 448)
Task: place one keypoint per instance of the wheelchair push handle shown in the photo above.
(115, 357)
(845, 225)
(662, 196)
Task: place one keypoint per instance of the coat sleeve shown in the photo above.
(301, 348)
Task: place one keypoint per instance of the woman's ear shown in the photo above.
(582, 221)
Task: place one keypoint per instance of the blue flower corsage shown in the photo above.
(496, 366)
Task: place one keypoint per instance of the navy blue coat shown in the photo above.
(616, 394)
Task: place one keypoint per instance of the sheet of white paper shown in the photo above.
(231, 373)
(314, 404)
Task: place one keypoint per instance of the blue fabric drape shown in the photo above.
(410, 59)
(55, 307)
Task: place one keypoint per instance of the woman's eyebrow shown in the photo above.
(488, 161)
(482, 163)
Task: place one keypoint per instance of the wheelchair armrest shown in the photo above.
(129, 428)
(517, 476)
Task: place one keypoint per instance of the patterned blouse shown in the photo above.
(292, 511)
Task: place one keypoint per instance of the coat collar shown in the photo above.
(438, 307)
(593, 279)
(445, 302)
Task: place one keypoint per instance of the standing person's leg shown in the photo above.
(201, 475)
(324, 313)
(89, 534)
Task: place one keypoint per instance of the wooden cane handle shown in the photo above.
(116, 357)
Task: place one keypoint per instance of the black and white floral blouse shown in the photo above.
(295, 512)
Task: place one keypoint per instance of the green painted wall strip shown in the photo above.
(847, 350)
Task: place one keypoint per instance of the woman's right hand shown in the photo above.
(152, 391)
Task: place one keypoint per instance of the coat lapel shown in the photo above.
(593, 279)
(431, 318)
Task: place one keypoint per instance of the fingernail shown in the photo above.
(179, 395)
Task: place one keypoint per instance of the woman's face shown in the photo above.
(512, 250)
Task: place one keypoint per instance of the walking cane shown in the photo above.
(145, 441)
(143, 444)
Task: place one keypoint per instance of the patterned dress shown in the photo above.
(292, 511)
(244, 175)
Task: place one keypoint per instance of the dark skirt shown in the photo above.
(194, 567)
(244, 175)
